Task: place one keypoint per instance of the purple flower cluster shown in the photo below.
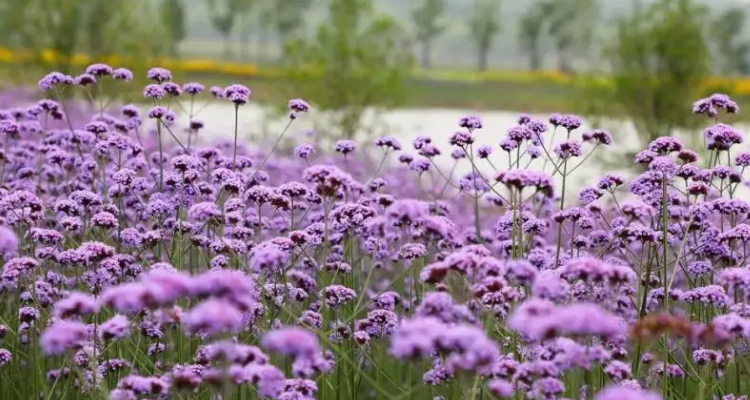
(148, 266)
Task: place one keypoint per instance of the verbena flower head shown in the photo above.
(99, 70)
(76, 305)
(722, 137)
(293, 341)
(193, 88)
(622, 392)
(122, 74)
(159, 75)
(470, 122)
(55, 80)
(237, 94)
(154, 92)
(212, 317)
(63, 336)
(345, 147)
(84, 80)
(304, 150)
(298, 106)
(388, 143)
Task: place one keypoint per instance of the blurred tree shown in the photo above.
(532, 28)
(357, 60)
(143, 22)
(728, 34)
(484, 25)
(224, 14)
(654, 80)
(571, 27)
(289, 17)
(53, 31)
(59, 30)
(246, 10)
(173, 16)
(264, 25)
(99, 14)
(426, 17)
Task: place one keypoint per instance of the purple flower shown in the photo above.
(547, 388)
(54, 80)
(520, 133)
(298, 106)
(76, 305)
(568, 148)
(501, 388)
(269, 379)
(416, 338)
(204, 212)
(122, 74)
(521, 179)
(412, 251)
(722, 137)
(237, 94)
(470, 122)
(304, 150)
(116, 328)
(598, 137)
(154, 91)
(465, 347)
(719, 101)
(5, 357)
(84, 80)
(99, 70)
(569, 122)
(664, 165)
(9, 240)
(345, 147)
(621, 392)
(539, 323)
(665, 145)
(193, 88)
(461, 139)
(213, 316)
(172, 89)
(268, 259)
(387, 142)
(159, 75)
(293, 341)
(337, 295)
(161, 113)
(62, 336)
(484, 151)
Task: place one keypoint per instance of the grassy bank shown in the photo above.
(422, 92)
(438, 89)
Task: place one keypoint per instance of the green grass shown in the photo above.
(421, 93)
(521, 97)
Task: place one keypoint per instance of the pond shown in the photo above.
(256, 125)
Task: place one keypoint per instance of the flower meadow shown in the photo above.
(140, 261)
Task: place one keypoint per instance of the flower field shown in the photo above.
(141, 262)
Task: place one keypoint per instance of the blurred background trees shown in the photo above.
(224, 14)
(659, 59)
(635, 59)
(731, 45)
(173, 18)
(484, 24)
(356, 59)
(428, 26)
(53, 32)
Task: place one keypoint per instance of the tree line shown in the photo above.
(657, 55)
